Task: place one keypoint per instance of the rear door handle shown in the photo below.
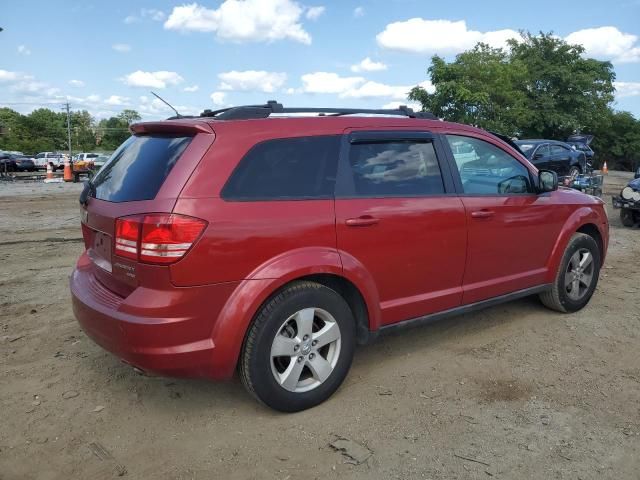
(482, 214)
(364, 221)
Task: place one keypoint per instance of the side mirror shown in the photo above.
(547, 181)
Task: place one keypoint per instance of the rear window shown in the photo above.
(286, 169)
(138, 168)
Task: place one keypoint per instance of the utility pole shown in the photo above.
(66, 105)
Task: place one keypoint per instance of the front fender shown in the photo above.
(582, 216)
(235, 317)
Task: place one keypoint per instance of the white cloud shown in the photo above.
(358, 12)
(23, 50)
(146, 13)
(121, 47)
(117, 100)
(368, 65)
(7, 76)
(153, 14)
(627, 89)
(313, 13)
(151, 107)
(218, 98)
(243, 20)
(326, 82)
(607, 43)
(76, 83)
(192, 88)
(160, 79)
(252, 80)
(418, 35)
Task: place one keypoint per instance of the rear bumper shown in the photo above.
(166, 332)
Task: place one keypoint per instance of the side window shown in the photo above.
(493, 172)
(395, 169)
(286, 169)
(558, 150)
(543, 151)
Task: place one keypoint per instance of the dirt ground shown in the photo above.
(515, 391)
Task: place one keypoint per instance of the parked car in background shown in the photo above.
(553, 155)
(11, 162)
(629, 202)
(55, 159)
(582, 143)
(84, 157)
(278, 247)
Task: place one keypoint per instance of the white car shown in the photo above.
(54, 158)
(84, 157)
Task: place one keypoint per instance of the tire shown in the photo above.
(574, 171)
(563, 296)
(274, 380)
(627, 217)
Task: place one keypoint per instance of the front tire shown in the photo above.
(299, 347)
(574, 171)
(577, 276)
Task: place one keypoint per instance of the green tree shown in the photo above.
(83, 137)
(129, 116)
(113, 132)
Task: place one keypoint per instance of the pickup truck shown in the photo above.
(56, 160)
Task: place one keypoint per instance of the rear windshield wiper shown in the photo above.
(89, 190)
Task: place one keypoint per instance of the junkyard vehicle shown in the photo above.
(55, 159)
(629, 202)
(99, 161)
(10, 162)
(582, 142)
(557, 156)
(273, 244)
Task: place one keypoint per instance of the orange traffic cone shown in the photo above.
(605, 169)
(49, 172)
(68, 174)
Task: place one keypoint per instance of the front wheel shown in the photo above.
(299, 348)
(577, 275)
(574, 172)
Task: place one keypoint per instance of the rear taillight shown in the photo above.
(157, 237)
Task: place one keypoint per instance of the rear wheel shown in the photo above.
(577, 275)
(627, 217)
(299, 348)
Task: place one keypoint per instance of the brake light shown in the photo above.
(127, 237)
(159, 238)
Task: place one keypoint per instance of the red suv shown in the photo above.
(275, 243)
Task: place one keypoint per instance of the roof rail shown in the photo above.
(247, 112)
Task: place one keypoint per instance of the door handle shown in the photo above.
(363, 221)
(482, 214)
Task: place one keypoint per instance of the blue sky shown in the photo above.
(106, 56)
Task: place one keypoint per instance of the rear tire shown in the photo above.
(627, 217)
(577, 276)
(290, 370)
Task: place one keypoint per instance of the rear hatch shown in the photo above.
(129, 231)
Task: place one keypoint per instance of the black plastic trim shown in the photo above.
(472, 307)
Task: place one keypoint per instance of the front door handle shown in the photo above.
(363, 221)
(482, 214)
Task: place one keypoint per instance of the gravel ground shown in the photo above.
(515, 391)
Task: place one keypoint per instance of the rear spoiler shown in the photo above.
(171, 127)
(509, 142)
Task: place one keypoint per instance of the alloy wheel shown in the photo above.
(579, 274)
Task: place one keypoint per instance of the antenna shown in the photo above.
(166, 103)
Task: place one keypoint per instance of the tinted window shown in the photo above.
(138, 168)
(494, 171)
(397, 169)
(558, 149)
(286, 168)
(543, 151)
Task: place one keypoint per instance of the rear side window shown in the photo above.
(286, 169)
(395, 169)
(137, 170)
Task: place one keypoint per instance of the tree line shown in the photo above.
(539, 87)
(44, 130)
